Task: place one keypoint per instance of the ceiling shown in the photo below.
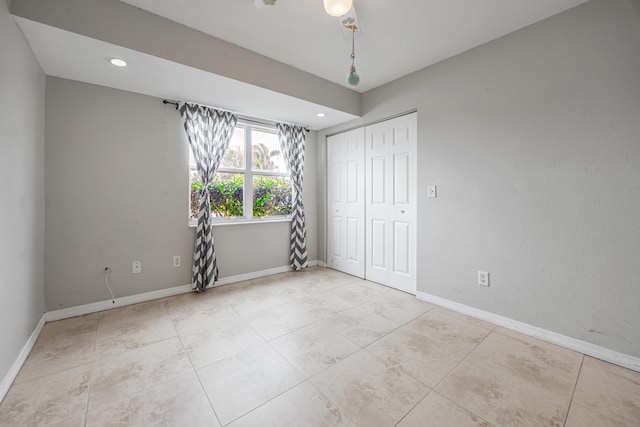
(397, 38)
(72, 56)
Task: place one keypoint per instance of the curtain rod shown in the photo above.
(240, 117)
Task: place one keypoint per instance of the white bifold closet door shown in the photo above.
(372, 209)
(346, 204)
(391, 208)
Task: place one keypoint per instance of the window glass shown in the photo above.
(234, 157)
(243, 187)
(265, 149)
(271, 195)
(226, 193)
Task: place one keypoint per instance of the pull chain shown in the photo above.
(353, 79)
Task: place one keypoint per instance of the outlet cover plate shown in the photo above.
(136, 267)
(483, 278)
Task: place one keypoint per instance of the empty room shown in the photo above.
(320, 213)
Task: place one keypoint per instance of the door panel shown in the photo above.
(401, 172)
(378, 237)
(336, 241)
(353, 243)
(391, 208)
(335, 181)
(352, 182)
(345, 169)
(401, 250)
(378, 185)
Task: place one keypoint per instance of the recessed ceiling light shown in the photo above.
(118, 62)
(320, 114)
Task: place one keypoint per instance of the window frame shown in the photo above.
(248, 172)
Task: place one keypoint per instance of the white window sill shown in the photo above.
(194, 223)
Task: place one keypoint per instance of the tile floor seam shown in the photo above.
(269, 400)
(466, 409)
(147, 387)
(339, 333)
(179, 337)
(377, 339)
(399, 326)
(392, 330)
(334, 403)
(340, 408)
(215, 414)
(287, 360)
(134, 349)
(264, 403)
(458, 364)
(344, 411)
(298, 299)
(407, 374)
(289, 301)
(364, 326)
(573, 393)
(463, 319)
(381, 337)
(265, 341)
(93, 358)
(414, 406)
(51, 374)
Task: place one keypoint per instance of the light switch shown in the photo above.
(431, 192)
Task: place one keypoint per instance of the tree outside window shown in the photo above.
(261, 183)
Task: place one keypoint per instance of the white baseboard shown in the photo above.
(22, 357)
(253, 275)
(620, 359)
(95, 307)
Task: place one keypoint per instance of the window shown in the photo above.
(246, 187)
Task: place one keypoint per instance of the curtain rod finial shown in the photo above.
(166, 101)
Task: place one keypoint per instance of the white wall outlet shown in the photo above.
(136, 267)
(432, 192)
(177, 261)
(483, 278)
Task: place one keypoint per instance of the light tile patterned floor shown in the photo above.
(313, 348)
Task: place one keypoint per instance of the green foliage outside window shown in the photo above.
(271, 195)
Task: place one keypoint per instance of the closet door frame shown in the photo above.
(390, 221)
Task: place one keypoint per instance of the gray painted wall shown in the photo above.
(21, 181)
(534, 143)
(117, 191)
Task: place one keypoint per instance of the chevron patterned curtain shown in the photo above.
(209, 132)
(292, 140)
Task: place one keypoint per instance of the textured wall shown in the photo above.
(117, 191)
(21, 191)
(534, 143)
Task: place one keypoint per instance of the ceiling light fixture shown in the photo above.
(337, 7)
(320, 114)
(353, 79)
(118, 62)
